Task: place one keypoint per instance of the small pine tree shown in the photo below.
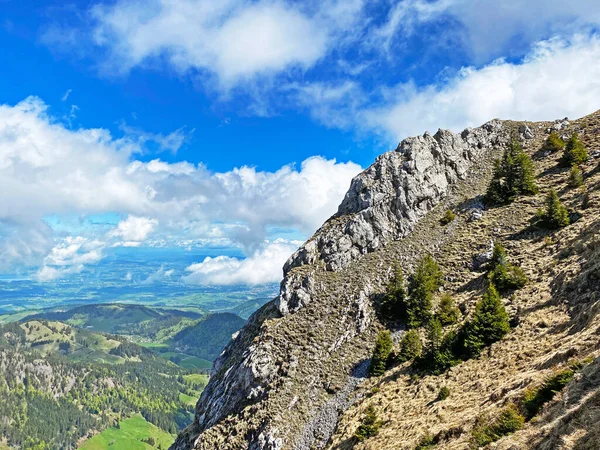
(449, 216)
(575, 177)
(553, 143)
(427, 279)
(443, 394)
(585, 197)
(556, 215)
(489, 323)
(575, 152)
(447, 312)
(434, 337)
(411, 346)
(513, 176)
(439, 355)
(502, 275)
(393, 305)
(369, 425)
(381, 353)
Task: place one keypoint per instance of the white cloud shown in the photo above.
(171, 142)
(52, 170)
(490, 28)
(135, 229)
(66, 95)
(70, 255)
(558, 78)
(160, 275)
(75, 250)
(49, 273)
(264, 266)
(234, 39)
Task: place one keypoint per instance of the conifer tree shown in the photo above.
(555, 215)
(369, 426)
(393, 305)
(427, 279)
(489, 323)
(575, 177)
(434, 337)
(502, 275)
(513, 176)
(411, 346)
(553, 143)
(447, 312)
(381, 353)
(575, 152)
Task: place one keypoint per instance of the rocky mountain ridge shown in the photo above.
(289, 378)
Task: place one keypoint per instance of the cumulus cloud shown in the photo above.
(264, 266)
(558, 77)
(231, 42)
(70, 255)
(233, 38)
(135, 229)
(51, 170)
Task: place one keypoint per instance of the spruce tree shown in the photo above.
(502, 275)
(393, 305)
(434, 337)
(427, 279)
(447, 312)
(575, 152)
(575, 177)
(381, 353)
(555, 215)
(513, 176)
(411, 346)
(553, 143)
(369, 426)
(439, 355)
(489, 323)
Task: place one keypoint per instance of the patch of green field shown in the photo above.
(188, 399)
(186, 361)
(15, 317)
(196, 378)
(129, 436)
(193, 362)
(157, 346)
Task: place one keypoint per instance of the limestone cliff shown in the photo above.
(295, 376)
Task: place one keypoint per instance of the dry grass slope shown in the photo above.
(557, 314)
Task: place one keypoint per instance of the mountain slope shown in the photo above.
(207, 338)
(295, 376)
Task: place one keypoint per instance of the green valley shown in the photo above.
(135, 433)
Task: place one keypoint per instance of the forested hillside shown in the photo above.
(207, 338)
(59, 385)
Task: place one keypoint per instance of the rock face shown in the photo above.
(282, 382)
(386, 201)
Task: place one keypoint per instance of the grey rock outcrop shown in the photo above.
(386, 201)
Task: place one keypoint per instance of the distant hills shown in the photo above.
(124, 319)
(190, 339)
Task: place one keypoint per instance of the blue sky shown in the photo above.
(237, 125)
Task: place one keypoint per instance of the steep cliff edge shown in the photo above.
(294, 377)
